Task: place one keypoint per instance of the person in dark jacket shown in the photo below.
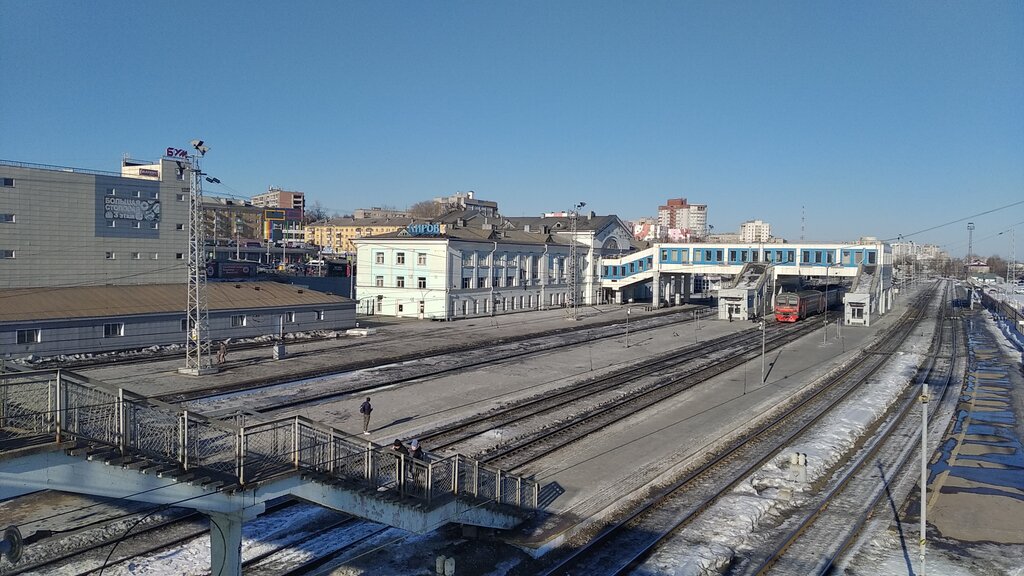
(365, 410)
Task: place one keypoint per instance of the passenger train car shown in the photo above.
(793, 306)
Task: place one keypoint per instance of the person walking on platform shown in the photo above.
(730, 314)
(222, 353)
(418, 464)
(365, 410)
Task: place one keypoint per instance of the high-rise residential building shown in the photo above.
(278, 198)
(688, 220)
(755, 231)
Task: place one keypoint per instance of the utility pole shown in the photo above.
(197, 345)
(970, 247)
(924, 473)
(574, 255)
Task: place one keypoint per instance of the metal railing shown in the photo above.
(57, 405)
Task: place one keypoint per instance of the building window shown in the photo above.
(378, 257)
(179, 197)
(379, 282)
(8, 182)
(237, 320)
(401, 308)
(466, 283)
(179, 256)
(421, 259)
(289, 316)
(113, 330)
(6, 218)
(111, 191)
(136, 224)
(111, 223)
(137, 193)
(30, 336)
(111, 256)
(400, 258)
(155, 256)
(400, 282)
(136, 255)
(320, 315)
(421, 282)
(154, 225)
(7, 254)
(154, 195)
(179, 226)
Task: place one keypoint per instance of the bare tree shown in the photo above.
(315, 213)
(427, 209)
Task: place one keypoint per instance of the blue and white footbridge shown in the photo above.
(745, 276)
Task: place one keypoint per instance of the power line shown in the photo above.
(958, 220)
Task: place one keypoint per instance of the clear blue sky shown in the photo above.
(879, 118)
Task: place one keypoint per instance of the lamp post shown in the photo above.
(824, 328)
(628, 310)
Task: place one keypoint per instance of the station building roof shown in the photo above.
(23, 304)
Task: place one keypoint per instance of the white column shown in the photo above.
(225, 544)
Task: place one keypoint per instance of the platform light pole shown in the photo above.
(924, 473)
(574, 216)
(824, 328)
(197, 345)
(628, 309)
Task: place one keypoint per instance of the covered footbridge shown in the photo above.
(748, 274)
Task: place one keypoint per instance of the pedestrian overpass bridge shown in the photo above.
(63, 431)
(665, 273)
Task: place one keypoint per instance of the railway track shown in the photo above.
(627, 541)
(825, 529)
(254, 401)
(589, 410)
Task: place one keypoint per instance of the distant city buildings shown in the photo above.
(469, 202)
(683, 221)
(755, 231)
(379, 213)
(278, 198)
(337, 234)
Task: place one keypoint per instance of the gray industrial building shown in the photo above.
(94, 261)
(55, 321)
(68, 227)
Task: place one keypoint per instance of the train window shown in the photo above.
(718, 254)
(829, 256)
(732, 255)
(743, 255)
(871, 257)
(664, 255)
(806, 256)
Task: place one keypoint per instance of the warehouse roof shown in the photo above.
(20, 304)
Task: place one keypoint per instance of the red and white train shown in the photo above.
(793, 306)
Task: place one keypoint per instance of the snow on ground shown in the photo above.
(721, 533)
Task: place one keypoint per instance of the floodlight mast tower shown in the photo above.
(197, 346)
(574, 255)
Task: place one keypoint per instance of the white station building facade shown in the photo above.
(467, 264)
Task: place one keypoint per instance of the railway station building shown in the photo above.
(466, 264)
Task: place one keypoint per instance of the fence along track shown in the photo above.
(625, 542)
(118, 427)
(812, 547)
